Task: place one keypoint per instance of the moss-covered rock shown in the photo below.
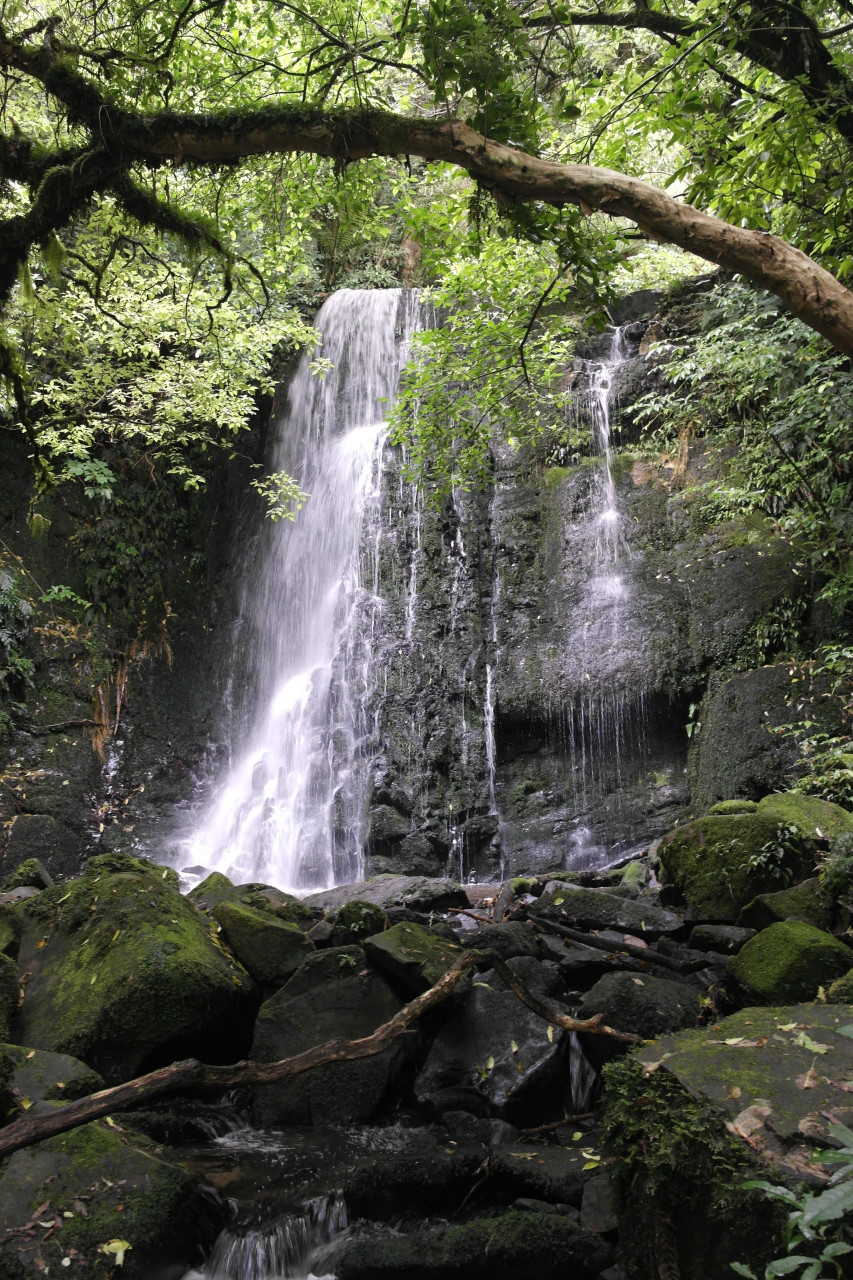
(270, 949)
(411, 955)
(727, 807)
(126, 974)
(808, 814)
(788, 962)
(841, 990)
(804, 901)
(643, 1005)
(357, 920)
(95, 1188)
(513, 1243)
(9, 992)
(719, 863)
(10, 931)
(29, 874)
(32, 1075)
(214, 889)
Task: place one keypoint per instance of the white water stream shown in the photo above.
(291, 810)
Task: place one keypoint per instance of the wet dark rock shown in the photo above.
(357, 920)
(597, 1210)
(726, 939)
(488, 1132)
(493, 1049)
(496, 1248)
(386, 827)
(593, 909)
(555, 1174)
(38, 836)
(11, 928)
(437, 1177)
(416, 893)
(348, 1001)
(645, 1006)
(510, 939)
(581, 966)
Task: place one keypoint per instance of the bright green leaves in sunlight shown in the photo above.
(493, 367)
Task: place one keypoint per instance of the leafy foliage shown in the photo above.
(16, 667)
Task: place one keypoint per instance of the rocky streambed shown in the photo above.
(484, 1134)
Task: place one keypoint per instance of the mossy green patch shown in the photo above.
(733, 806)
(721, 862)
(788, 962)
(805, 901)
(841, 990)
(112, 1186)
(357, 920)
(10, 931)
(271, 949)
(678, 1176)
(37, 1075)
(9, 992)
(31, 874)
(809, 814)
(125, 973)
(412, 955)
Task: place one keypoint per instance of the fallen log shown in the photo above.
(192, 1074)
(646, 954)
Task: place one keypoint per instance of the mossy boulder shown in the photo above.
(788, 962)
(808, 814)
(270, 949)
(33, 1075)
(640, 1004)
(214, 889)
(10, 931)
(125, 974)
(503, 1247)
(94, 1188)
(693, 1115)
(411, 955)
(9, 991)
(803, 901)
(30, 874)
(719, 863)
(727, 807)
(357, 920)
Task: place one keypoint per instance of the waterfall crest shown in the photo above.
(291, 810)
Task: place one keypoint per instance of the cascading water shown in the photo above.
(291, 811)
(300, 1246)
(599, 723)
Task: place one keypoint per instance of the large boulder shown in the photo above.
(692, 1116)
(594, 909)
(804, 901)
(411, 955)
(809, 815)
(493, 1056)
(270, 949)
(126, 975)
(719, 863)
(334, 997)
(91, 1200)
(788, 962)
(418, 893)
(643, 1005)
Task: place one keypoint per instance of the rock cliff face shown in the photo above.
(528, 699)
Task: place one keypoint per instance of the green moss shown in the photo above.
(114, 862)
(804, 901)
(211, 891)
(412, 955)
(841, 991)
(10, 931)
(678, 1175)
(553, 477)
(809, 814)
(120, 963)
(721, 862)
(126, 1191)
(733, 806)
(357, 920)
(788, 962)
(29, 875)
(525, 884)
(9, 991)
(271, 949)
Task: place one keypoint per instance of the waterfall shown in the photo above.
(299, 1246)
(291, 810)
(600, 721)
